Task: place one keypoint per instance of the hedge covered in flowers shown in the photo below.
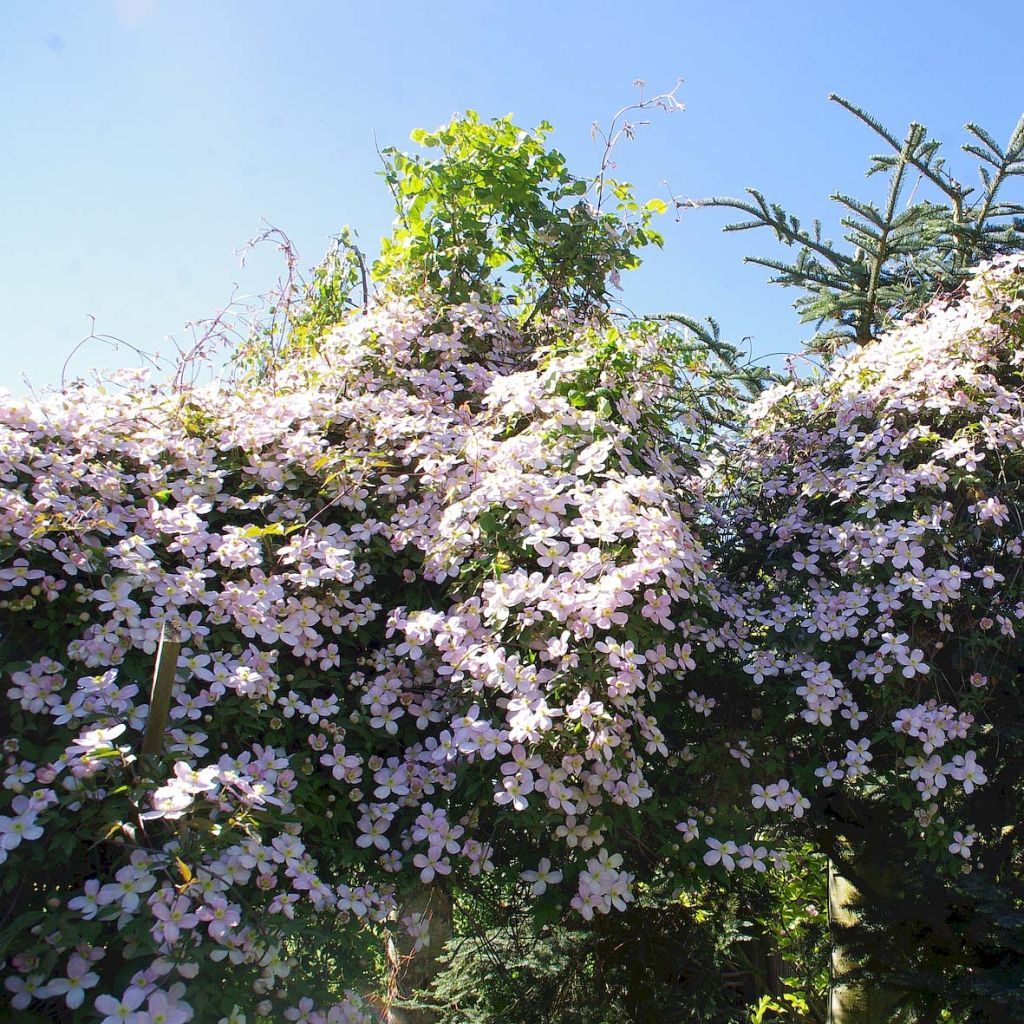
(878, 542)
(433, 589)
(458, 594)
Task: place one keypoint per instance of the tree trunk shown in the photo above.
(412, 970)
(856, 1001)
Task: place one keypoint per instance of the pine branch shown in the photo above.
(881, 254)
(866, 210)
(797, 272)
(921, 153)
(787, 229)
(898, 258)
(1011, 163)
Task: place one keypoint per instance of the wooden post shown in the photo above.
(163, 686)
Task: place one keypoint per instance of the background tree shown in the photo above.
(900, 253)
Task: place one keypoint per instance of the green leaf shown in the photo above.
(489, 522)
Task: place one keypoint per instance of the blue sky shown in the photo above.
(144, 140)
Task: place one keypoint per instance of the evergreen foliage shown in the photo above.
(898, 255)
(954, 950)
(659, 962)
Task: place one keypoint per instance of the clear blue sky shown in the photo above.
(144, 140)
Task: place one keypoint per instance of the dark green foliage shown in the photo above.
(650, 965)
(985, 921)
(702, 955)
(898, 255)
(954, 950)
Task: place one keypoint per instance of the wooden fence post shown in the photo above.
(163, 685)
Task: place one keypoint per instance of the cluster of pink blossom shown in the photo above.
(731, 856)
(603, 886)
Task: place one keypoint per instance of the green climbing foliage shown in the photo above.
(497, 215)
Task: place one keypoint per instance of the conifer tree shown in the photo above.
(923, 239)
